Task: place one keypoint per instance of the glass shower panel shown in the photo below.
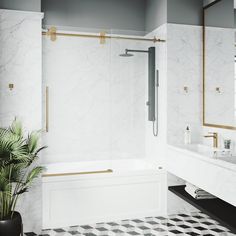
(128, 86)
(76, 70)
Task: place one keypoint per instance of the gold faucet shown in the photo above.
(213, 135)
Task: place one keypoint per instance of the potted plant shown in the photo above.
(17, 173)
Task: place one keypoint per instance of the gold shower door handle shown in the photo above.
(47, 108)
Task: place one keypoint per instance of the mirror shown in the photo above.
(219, 68)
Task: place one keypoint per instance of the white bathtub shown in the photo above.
(90, 192)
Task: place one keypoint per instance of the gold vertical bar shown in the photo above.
(47, 109)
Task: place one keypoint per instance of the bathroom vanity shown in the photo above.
(206, 168)
(209, 169)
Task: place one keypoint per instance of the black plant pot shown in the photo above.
(11, 227)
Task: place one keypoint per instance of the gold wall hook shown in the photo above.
(52, 32)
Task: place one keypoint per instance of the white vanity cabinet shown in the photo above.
(214, 175)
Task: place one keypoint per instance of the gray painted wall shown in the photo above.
(185, 12)
(23, 5)
(234, 18)
(130, 15)
(206, 2)
(102, 14)
(221, 14)
(95, 15)
(173, 11)
(156, 14)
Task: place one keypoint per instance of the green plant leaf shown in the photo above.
(33, 174)
(16, 156)
(32, 141)
(16, 128)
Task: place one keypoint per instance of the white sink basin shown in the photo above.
(213, 153)
(203, 149)
(231, 159)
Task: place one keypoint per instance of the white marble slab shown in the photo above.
(20, 64)
(184, 69)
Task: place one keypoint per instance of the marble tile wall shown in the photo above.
(184, 69)
(184, 53)
(20, 64)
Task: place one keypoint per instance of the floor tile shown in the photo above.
(193, 224)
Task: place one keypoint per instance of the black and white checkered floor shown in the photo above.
(192, 224)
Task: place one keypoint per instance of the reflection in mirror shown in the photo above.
(219, 80)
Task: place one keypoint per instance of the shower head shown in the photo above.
(126, 54)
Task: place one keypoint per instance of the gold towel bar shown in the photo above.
(79, 173)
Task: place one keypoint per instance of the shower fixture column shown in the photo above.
(152, 83)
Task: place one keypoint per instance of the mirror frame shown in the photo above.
(204, 73)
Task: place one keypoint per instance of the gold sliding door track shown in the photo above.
(52, 33)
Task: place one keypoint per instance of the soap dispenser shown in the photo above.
(187, 136)
(227, 147)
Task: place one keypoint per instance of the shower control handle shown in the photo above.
(148, 103)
